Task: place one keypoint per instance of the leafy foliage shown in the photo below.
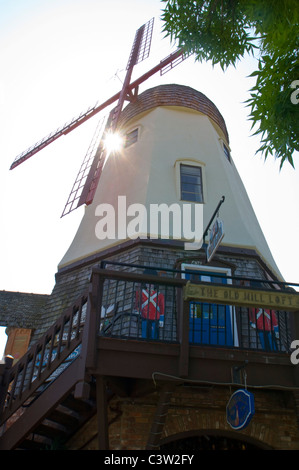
(223, 31)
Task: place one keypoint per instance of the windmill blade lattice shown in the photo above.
(140, 51)
(62, 130)
(85, 185)
(73, 201)
(85, 188)
(143, 39)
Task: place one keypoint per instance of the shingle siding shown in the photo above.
(21, 310)
(174, 95)
(72, 283)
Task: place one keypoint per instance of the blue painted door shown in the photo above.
(209, 323)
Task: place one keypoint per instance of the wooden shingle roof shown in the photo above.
(174, 95)
(19, 309)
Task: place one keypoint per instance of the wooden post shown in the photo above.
(95, 301)
(183, 316)
(295, 333)
(295, 336)
(4, 381)
(87, 359)
(102, 414)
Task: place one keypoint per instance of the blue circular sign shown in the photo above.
(240, 409)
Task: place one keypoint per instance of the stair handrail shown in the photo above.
(23, 381)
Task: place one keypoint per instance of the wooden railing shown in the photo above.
(44, 361)
(188, 309)
(113, 309)
(173, 310)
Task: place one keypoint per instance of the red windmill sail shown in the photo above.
(90, 171)
(140, 51)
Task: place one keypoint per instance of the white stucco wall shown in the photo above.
(147, 172)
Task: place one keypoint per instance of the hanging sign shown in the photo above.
(216, 235)
(243, 297)
(240, 409)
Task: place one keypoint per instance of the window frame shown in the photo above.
(128, 143)
(192, 163)
(226, 150)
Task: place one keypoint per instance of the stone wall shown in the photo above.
(196, 411)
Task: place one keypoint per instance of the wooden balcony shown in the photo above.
(197, 333)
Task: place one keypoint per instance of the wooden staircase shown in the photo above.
(48, 394)
(53, 429)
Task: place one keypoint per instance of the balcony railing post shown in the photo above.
(87, 359)
(295, 336)
(95, 304)
(4, 381)
(102, 414)
(183, 334)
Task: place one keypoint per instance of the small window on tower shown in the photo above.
(191, 183)
(131, 137)
(226, 152)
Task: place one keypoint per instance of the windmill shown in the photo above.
(87, 180)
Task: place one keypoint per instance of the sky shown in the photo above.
(58, 57)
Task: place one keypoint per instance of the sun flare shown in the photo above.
(113, 142)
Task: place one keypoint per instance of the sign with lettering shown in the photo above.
(245, 297)
(216, 235)
(240, 409)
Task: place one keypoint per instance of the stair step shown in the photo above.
(78, 405)
(35, 442)
(51, 430)
(65, 416)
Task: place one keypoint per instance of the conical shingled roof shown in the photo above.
(174, 95)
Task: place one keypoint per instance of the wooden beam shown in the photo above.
(157, 361)
(243, 297)
(92, 322)
(102, 414)
(5, 367)
(135, 277)
(183, 364)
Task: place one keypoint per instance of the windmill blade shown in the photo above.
(140, 51)
(93, 176)
(164, 66)
(88, 177)
(174, 61)
(142, 44)
(63, 130)
(85, 185)
(73, 201)
(90, 171)
(96, 170)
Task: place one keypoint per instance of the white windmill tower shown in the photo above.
(175, 151)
